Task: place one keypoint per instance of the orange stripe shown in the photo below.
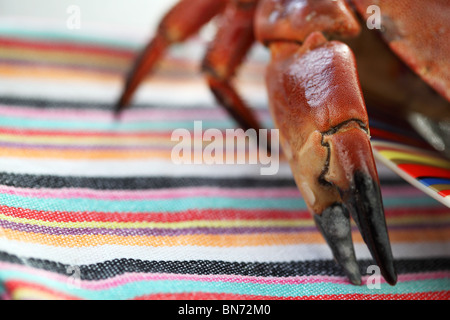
(431, 235)
(74, 58)
(18, 288)
(166, 241)
(77, 154)
(71, 47)
(413, 235)
(84, 154)
(55, 73)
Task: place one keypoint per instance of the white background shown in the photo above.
(134, 19)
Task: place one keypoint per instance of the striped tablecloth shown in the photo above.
(93, 208)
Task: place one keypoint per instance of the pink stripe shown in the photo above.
(107, 116)
(137, 277)
(68, 193)
(5, 297)
(124, 279)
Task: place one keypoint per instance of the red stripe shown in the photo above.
(68, 47)
(390, 136)
(410, 212)
(444, 193)
(13, 285)
(205, 296)
(440, 295)
(209, 214)
(84, 133)
(189, 215)
(418, 170)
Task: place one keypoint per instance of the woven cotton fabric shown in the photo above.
(94, 208)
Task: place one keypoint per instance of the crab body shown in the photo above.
(316, 94)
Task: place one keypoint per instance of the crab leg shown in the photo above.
(234, 39)
(317, 104)
(181, 22)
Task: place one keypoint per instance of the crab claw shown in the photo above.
(317, 104)
(345, 184)
(334, 224)
(354, 175)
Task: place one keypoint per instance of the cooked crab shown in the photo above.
(316, 97)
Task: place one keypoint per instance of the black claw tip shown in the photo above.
(334, 224)
(366, 207)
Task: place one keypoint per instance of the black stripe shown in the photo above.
(135, 183)
(143, 183)
(109, 269)
(91, 105)
(53, 104)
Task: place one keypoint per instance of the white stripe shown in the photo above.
(124, 168)
(78, 91)
(301, 252)
(190, 93)
(140, 168)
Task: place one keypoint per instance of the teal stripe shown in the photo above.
(68, 36)
(136, 289)
(116, 126)
(179, 204)
(164, 205)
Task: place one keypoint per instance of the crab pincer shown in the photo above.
(317, 104)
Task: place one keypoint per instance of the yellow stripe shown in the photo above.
(440, 187)
(206, 223)
(164, 225)
(33, 294)
(57, 73)
(406, 157)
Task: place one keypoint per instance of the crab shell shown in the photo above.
(417, 32)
